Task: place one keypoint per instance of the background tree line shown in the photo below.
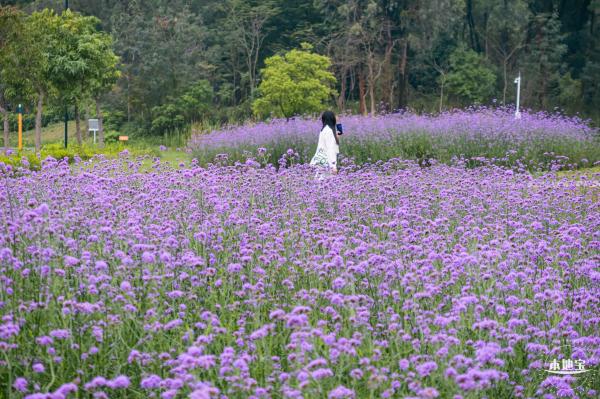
(47, 57)
(200, 60)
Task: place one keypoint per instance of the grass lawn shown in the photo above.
(54, 133)
(170, 156)
(588, 172)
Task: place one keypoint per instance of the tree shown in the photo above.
(470, 79)
(369, 42)
(74, 60)
(434, 36)
(341, 20)
(542, 67)
(167, 118)
(506, 33)
(192, 106)
(370, 34)
(10, 27)
(570, 93)
(163, 49)
(127, 26)
(40, 33)
(249, 22)
(590, 75)
(103, 75)
(296, 83)
(439, 59)
(195, 102)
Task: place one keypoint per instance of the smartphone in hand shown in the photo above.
(339, 128)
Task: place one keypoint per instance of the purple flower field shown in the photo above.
(536, 141)
(496, 124)
(385, 281)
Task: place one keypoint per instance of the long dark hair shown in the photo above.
(328, 119)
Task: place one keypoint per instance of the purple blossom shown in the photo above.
(95, 383)
(429, 393)
(169, 394)
(44, 340)
(151, 382)
(60, 334)
(148, 257)
(426, 368)
(341, 392)
(320, 374)
(20, 384)
(38, 368)
(119, 382)
(70, 261)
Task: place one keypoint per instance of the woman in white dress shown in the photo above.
(325, 158)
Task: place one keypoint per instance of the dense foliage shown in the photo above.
(386, 54)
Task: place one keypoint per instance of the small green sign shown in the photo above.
(20, 109)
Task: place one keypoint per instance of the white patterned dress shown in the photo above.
(325, 158)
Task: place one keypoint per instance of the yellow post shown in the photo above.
(20, 128)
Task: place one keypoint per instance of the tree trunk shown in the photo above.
(38, 122)
(442, 94)
(505, 82)
(234, 77)
(87, 118)
(250, 77)
(486, 35)
(542, 97)
(372, 97)
(388, 67)
(351, 89)
(6, 129)
(4, 112)
(100, 124)
(128, 97)
(342, 97)
(362, 92)
(78, 126)
(391, 94)
(471, 24)
(403, 79)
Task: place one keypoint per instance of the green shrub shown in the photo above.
(30, 161)
(111, 136)
(33, 161)
(113, 120)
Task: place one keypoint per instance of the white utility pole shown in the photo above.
(518, 82)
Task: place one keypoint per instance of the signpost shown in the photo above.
(93, 127)
(20, 126)
(518, 83)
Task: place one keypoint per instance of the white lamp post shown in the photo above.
(518, 82)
